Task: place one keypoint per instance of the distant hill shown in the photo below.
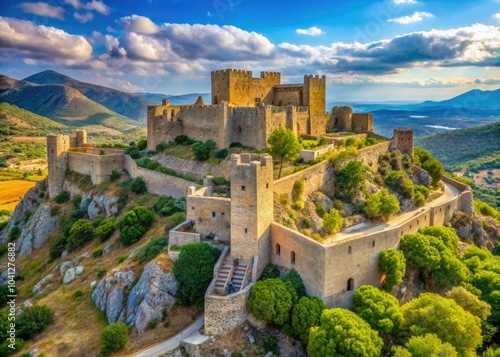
(127, 104)
(181, 99)
(456, 147)
(17, 121)
(473, 99)
(60, 103)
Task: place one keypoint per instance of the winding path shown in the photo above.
(172, 343)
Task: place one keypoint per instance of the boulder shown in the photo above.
(106, 249)
(79, 270)
(42, 284)
(93, 284)
(65, 266)
(37, 230)
(69, 276)
(103, 205)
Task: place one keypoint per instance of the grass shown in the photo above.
(11, 193)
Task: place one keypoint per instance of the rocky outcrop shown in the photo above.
(153, 292)
(480, 230)
(420, 176)
(42, 284)
(103, 205)
(37, 230)
(29, 203)
(69, 276)
(109, 294)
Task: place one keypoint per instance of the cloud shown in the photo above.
(405, 1)
(415, 17)
(25, 39)
(496, 17)
(42, 9)
(311, 31)
(111, 29)
(94, 5)
(84, 18)
(139, 24)
(489, 81)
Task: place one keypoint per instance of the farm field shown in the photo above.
(11, 193)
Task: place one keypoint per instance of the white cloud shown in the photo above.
(28, 40)
(415, 17)
(139, 24)
(94, 5)
(311, 31)
(110, 29)
(84, 18)
(42, 9)
(496, 17)
(405, 1)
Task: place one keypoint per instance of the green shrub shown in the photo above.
(174, 220)
(78, 293)
(202, 150)
(270, 300)
(222, 154)
(235, 144)
(62, 197)
(419, 199)
(3, 250)
(138, 185)
(135, 224)
(77, 214)
(151, 249)
(381, 204)
(298, 193)
(33, 320)
(142, 144)
(5, 292)
(180, 139)
(58, 243)
(294, 278)
(125, 183)
(152, 324)
(393, 264)
(14, 233)
(113, 338)
(41, 194)
(332, 221)
(100, 273)
(97, 252)
(81, 232)
(160, 147)
(121, 259)
(220, 181)
(105, 228)
(271, 271)
(115, 175)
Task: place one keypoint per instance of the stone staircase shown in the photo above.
(229, 270)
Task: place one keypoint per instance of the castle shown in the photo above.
(247, 109)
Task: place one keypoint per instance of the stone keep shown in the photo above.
(251, 204)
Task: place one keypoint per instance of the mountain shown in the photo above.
(189, 98)
(127, 104)
(60, 103)
(473, 99)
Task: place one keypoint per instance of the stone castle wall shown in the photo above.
(403, 141)
(362, 122)
(369, 155)
(211, 215)
(98, 167)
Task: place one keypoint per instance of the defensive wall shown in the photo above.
(98, 167)
(178, 236)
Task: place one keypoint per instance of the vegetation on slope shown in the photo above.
(17, 121)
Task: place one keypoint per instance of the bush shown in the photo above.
(180, 139)
(202, 150)
(138, 185)
(194, 272)
(306, 314)
(142, 144)
(81, 232)
(235, 144)
(78, 294)
(151, 250)
(393, 264)
(381, 204)
(294, 278)
(33, 320)
(351, 177)
(220, 181)
(97, 252)
(115, 175)
(271, 271)
(14, 233)
(58, 243)
(152, 324)
(270, 300)
(174, 220)
(298, 193)
(62, 197)
(105, 229)
(332, 221)
(113, 338)
(222, 154)
(135, 224)
(5, 292)
(419, 199)
(76, 200)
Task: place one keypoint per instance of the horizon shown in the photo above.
(404, 51)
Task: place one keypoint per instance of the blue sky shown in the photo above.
(390, 50)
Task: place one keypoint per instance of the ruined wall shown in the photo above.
(224, 313)
(288, 94)
(251, 203)
(369, 155)
(309, 256)
(403, 141)
(318, 177)
(211, 215)
(57, 145)
(362, 122)
(98, 167)
(157, 182)
(309, 155)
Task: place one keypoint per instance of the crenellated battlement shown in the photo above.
(270, 75)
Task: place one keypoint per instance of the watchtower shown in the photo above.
(81, 138)
(57, 145)
(403, 141)
(315, 94)
(251, 205)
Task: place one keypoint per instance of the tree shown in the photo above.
(105, 229)
(351, 177)
(283, 144)
(381, 204)
(271, 301)
(343, 333)
(202, 150)
(431, 313)
(81, 232)
(135, 224)
(419, 252)
(435, 169)
(378, 308)
(142, 144)
(306, 314)
(332, 221)
(33, 320)
(138, 185)
(447, 234)
(469, 302)
(294, 278)
(392, 263)
(113, 338)
(194, 272)
(428, 345)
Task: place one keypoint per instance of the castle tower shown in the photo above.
(341, 119)
(81, 138)
(403, 141)
(315, 94)
(57, 145)
(251, 206)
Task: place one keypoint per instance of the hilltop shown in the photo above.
(127, 104)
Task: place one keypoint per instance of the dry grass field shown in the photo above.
(30, 139)
(11, 193)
